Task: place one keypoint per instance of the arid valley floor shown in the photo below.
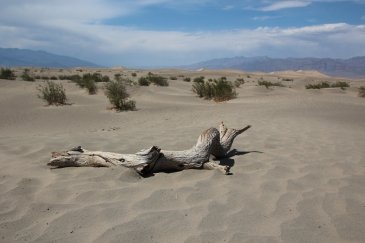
(301, 178)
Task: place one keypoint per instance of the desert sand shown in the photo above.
(301, 178)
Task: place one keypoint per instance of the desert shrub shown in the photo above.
(340, 84)
(74, 78)
(118, 96)
(268, 84)
(26, 77)
(143, 81)
(199, 79)
(45, 77)
(362, 91)
(117, 76)
(53, 78)
(158, 80)
(318, 86)
(88, 81)
(288, 79)
(173, 78)
(6, 73)
(37, 77)
(187, 79)
(90, 85)
(218, 90)
(52, 93)
(96, 77)
(223, 90)
(154, 79)
(324, 85)
(134, 74)
(200, 89)
(238, 82)
(105, 78)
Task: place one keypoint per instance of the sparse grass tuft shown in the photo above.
(6, 73)
(118, 96)
(52, 93)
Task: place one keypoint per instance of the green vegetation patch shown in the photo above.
(6, 73)
(118, 96)
(153, 79)
(268, 84)
(52, 93)
(217, 90)
(324, 85)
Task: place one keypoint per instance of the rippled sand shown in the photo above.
(301, 178)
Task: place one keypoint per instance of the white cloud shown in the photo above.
(62, 28)
(126, 46)
(228, 7)
(285, 4)
(263, 18)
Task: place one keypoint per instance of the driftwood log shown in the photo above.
(152, 160)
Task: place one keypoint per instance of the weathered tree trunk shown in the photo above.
(210, 142)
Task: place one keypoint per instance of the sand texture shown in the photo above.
(300, 176)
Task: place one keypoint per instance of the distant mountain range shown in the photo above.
(12, 57)
(353, 67)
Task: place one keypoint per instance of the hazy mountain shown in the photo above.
(353, 67)
(11, 57)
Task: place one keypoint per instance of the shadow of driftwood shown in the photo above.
(228, 161)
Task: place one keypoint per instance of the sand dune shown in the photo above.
(301, 178)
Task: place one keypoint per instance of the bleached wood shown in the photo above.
(210, 142)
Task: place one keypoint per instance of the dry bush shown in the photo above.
(6, 73)
(118, 96)
(218, 90)
(52, 93)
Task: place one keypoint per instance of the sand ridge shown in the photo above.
(301, 179)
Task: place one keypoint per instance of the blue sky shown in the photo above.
(165, 32)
